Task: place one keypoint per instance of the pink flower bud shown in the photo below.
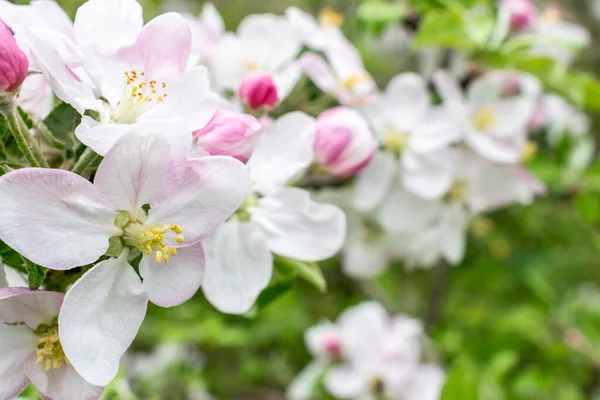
(522, 13)
(258, 90)
(344, 144)
(13, 62)
(229, 133)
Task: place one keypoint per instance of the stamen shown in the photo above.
(152, 239)
(138, 97)
(484, 118)
(50, 351)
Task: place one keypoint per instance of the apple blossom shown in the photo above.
(258, 90)
(125, 72)
(492, 125)
(13, 62)
(316, 33)
(187, 201)
(342, 74)
(344, 144)
(378, 356)
(273, 219)
(229, 133)
(32, 351)
(265, 43)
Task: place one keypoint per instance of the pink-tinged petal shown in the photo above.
(295, 226)
(36, 96)
(428, 175)
(163, 46)
(31, 307)
(359, 325)
(403, 212)
(100, 317)
(317, 69)
(238, 266)
(56, 56)
(54, 218)
(190, 99)
(374, 182)
(283, 151)
(144, 167)
(346, 382)
(175, 282)
(72, 386)
(104, 26)
(16, 344)
(44, 382)
(211, 190)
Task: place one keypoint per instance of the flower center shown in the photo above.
(458, 192)
(484, 118)
(394, 140)
(138, 97)
(50, 351)
(253, 66)
(328, 18)
(152, 239)
(529, 151)
(354, 80)
(552, 14)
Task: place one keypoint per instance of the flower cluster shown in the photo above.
(192, 165)
(368, 355)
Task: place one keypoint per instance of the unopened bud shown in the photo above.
(258, 90)
(522, 13)
(13, 62)
(229, 133)
(344, 144)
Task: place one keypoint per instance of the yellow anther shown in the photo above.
(179, 239)
(394, 140)
(152, 239)
(458, 192)
(50, 351)
(329, 18)
(484, 118)
(177, 229)
(48, 365)
(353, 80)
(166, 258)
(529, 151)
(173, 251)
(159, 257)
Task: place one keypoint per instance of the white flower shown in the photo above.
(274, 219)
(207, 30)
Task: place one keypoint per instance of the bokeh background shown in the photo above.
(519, 319)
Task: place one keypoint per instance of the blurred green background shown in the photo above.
(519, 319)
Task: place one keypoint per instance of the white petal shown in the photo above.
(175, 282)
(374, 182)
(408, 98)
(190, 99)
(238, 266)
(44, 382)
(447, 87)
(437, 129)
(428, 383)
(72, 386)
(428, 175)
(100, 137)
(453, 225)
(317, 69)
(283, 151)
(494, 148)
(53, 217)
(211, 190)
(31, 307)
(403, 212)
(143, 168)
(295, 226)
(305, 382)
(16, 344)
(100, 317)
(346, 382)
(286, 79)
(104, 26)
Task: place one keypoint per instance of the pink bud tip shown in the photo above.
(13, 62)
(344, 144)
(229, 133)
(522, 13)
(258, 90)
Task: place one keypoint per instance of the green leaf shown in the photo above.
(62, 122)
(462, 381)
(273, 292)
(35, 274)
(380, 11)
(308, 271)
(588, 205)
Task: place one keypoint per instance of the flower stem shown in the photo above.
(45, 133)
(85, 161)
(13, 119)
(34, 146)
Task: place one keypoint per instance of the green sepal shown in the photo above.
(35, 274)
(122, 219)
(309, 271)
(115, 247)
